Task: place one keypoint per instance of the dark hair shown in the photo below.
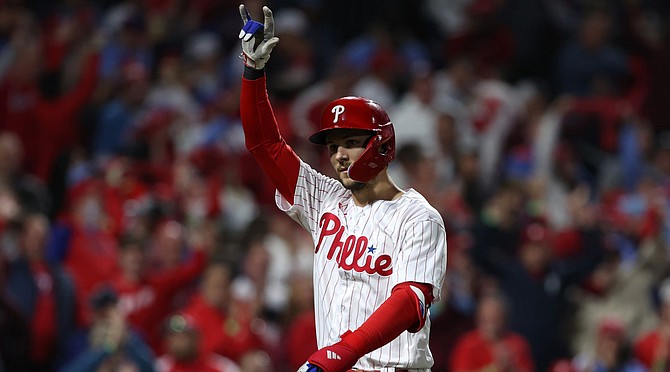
(130, 241)
(103, 297)
(49, 84)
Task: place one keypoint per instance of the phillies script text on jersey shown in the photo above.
(352, 246)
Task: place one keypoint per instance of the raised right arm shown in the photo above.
(261, 132)
(262, 137)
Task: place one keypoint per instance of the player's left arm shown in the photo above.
(404, 310)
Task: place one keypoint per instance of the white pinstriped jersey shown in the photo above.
(361, 253)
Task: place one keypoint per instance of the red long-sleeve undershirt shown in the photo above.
(263, 140)
(400, 312)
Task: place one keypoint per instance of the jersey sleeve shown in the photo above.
(423, 254)
(312, 191)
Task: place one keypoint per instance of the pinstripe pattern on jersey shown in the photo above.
(407, 229)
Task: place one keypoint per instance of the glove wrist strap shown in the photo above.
(248, 61)
(251, 73)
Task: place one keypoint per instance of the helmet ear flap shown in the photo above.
(384, 148)
(369, 164)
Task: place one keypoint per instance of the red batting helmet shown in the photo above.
(365, 114)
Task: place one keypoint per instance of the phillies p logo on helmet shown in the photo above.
(337, 110)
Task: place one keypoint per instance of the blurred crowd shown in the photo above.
(137, 233)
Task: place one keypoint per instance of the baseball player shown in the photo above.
(379, 252)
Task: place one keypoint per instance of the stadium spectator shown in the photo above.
(43, 293)
(145, 297)
(590, 65)
(32, 194)
(454, 315)
(536, 283)
(58, 110)
(229, 332)
(491, 345)
(611, 352)
(299, 340)
(114, 129)
(651, 347)
(87, 243)
(109, 343)
(183, 352)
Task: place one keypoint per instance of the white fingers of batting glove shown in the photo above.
(258, 39)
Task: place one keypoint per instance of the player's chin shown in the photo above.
(350, 184)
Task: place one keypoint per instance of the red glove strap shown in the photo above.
(334, 358)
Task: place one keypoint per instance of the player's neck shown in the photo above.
(380, 188)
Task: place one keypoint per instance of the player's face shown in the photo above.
(491, 318)
(344, 147)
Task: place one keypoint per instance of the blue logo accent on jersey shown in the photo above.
(372, 249)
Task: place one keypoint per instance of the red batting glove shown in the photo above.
(339, 357)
